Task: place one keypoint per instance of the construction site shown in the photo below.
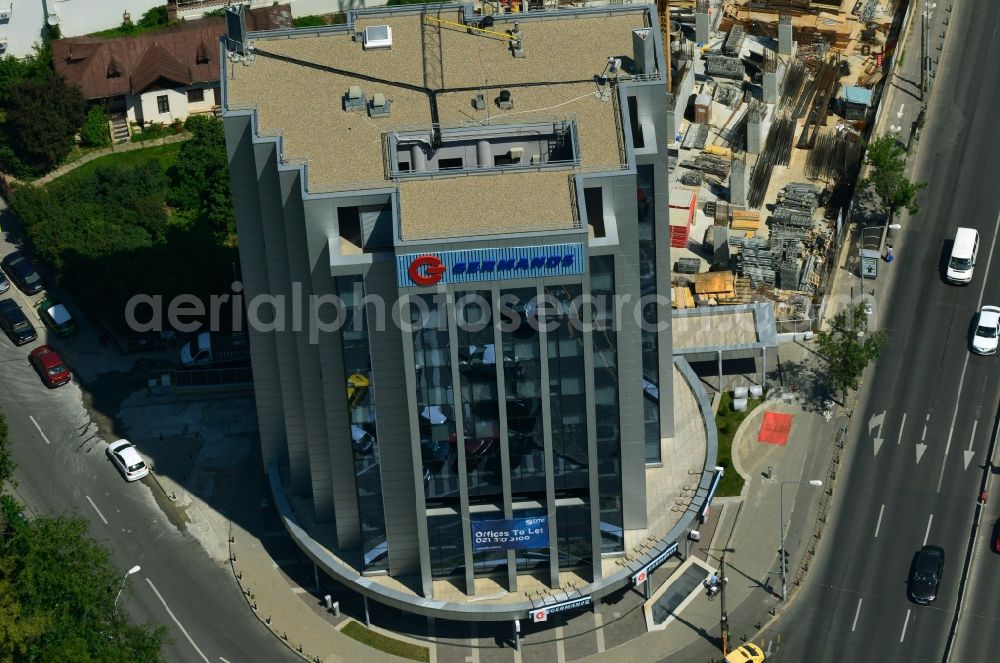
(773, 98)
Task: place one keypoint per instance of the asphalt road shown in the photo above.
(62, 467)
(929, 401)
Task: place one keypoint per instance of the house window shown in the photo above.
(196, 95)
(162, 104)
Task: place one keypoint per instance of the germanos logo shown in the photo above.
(426, 270)
(481, 265)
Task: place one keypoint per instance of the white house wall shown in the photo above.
(177, 98)
(76, 17)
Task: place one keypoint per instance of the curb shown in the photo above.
(738, 439)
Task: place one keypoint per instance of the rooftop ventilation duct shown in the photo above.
(377, 36)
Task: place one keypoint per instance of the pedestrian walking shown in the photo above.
(889, 255)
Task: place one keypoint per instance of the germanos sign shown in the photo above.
(477, 265)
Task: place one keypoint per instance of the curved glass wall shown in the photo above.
(364, 431)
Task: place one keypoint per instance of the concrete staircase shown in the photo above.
(119, 128)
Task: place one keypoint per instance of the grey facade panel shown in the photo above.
(320, 224)
(243, 176)
(630, 357)
(400, 493)
(279, 285)
(307, 352)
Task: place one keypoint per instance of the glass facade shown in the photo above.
(364, 433)
(478, 363)
(644, 192)
(525, 431)
(435, 397)
(608, 432)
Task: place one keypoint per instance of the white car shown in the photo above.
(984, 340)
(127, 460)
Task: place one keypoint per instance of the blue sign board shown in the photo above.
(513, 534)
(477, 265)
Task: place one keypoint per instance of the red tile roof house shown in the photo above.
(157, 77)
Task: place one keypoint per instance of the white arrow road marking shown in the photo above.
(965, 364)
(899, 114)
(970, 454)
(876, 422)
(900, 438)
(878, 444)
(921, 448)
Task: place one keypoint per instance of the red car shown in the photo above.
(50, 366)
(996, 536)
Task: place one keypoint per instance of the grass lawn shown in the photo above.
(167, 154)
(386, 644)
(728, 421)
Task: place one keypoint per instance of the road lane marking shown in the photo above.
(176, 621)
(900, 438)
(905, 622)
(105, 520)
(223, 660)
(928, 532)
(599, 632)
(970, 454)
(40, 431)
(878, 525)
(857, 613)
(965, 364)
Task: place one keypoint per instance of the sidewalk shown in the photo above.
(749, 525)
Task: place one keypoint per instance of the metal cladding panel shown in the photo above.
(483, 265)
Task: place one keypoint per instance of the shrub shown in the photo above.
(95, 132)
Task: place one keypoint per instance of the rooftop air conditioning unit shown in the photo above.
(377, 36)
(3, 44)
(5, 11)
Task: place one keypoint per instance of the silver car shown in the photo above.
(4, 283)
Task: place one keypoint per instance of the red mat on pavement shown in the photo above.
(775, 428)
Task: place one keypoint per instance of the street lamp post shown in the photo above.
(781, 527)
(134, 569)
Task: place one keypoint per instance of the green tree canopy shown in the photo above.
(43, 115)
(886, 159)
(57, 592)
(201, 174)
(848, 348)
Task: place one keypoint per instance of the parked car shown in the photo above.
(56, 317)
(15, 324)
(20, 270)
(4, 283)
(984, 339)
(996, 537)
(925, 574)
(128, 461)
(50, 366)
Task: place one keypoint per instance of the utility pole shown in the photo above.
(923, 54)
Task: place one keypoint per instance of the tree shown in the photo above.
(848, 348)
(885, 157)
(43, 115)
(201, 174)
(6, 462)
(57, 598)
(95, 131)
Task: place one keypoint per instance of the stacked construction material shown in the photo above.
(724, 66)
(757, 262)
(696, 136)
(687, 266)
(681, 297)
(745, 219)
(715, 285)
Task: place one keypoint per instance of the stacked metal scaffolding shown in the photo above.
(724, 66)
(696, 136)
(734, 41)
(756, 261)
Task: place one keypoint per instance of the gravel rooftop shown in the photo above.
(344, 151)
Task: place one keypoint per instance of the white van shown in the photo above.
(963, 256)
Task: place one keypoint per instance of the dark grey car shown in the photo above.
(15, 324)
(925, 574)
(20, 270)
